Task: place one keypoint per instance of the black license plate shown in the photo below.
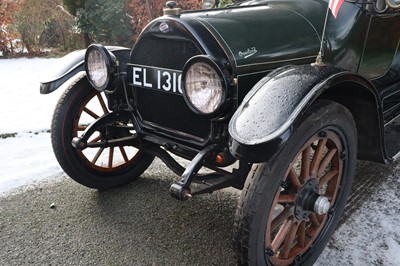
(161, 79)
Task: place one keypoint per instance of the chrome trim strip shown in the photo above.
(389, 122)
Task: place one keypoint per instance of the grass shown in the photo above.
(8, 135)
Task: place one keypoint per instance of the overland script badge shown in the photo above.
(249, 52)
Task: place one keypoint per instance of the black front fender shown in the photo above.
(270, 112)
(66, 68)
(72, 64)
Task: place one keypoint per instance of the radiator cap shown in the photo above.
(171, 9)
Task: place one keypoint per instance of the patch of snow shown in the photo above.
(28, 156)
(26, 108)
(371, 235)
(25, 158)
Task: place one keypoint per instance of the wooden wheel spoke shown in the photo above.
(111, 157)
(301, 235)
(122, 150)
(91, 113)
(314, 220)
(312, 231)
(325, 179)
(317, 157)
(287, 198)
(294, 179)
(284, 215)
(281, 235)
(96, 157)
(289, 242)
(305, 163)
(102, 103)
(327, 159)
(81, 128)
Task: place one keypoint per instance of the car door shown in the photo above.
(381, 60)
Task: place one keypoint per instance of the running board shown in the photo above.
(392, 138)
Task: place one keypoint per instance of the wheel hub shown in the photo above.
(309, 201)
(321, 205)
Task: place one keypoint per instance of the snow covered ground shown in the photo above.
(25, 113)
(371, 236)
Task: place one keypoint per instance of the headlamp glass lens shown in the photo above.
(203, 87)
(97, 68)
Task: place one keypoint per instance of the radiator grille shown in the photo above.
(166, 53)
(160, 108)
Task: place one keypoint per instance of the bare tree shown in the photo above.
(143, 11)
(37, 21)
(7, 10)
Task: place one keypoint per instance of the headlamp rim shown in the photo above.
(110, 61)
(391, 5)
(212, 63)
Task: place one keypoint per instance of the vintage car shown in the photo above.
(277, 98)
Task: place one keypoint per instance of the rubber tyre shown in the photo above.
(78, 168)
(264, 182)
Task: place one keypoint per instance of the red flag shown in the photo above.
(335, 5)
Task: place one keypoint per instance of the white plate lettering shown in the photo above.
(167, 80)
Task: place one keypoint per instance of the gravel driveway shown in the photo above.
(63, 223)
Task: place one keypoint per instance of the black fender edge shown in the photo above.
(272, 109)
(72, 64)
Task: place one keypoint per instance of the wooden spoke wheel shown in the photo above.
(291, 205)
(78, 107)
(303, 200)
(102, 159)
